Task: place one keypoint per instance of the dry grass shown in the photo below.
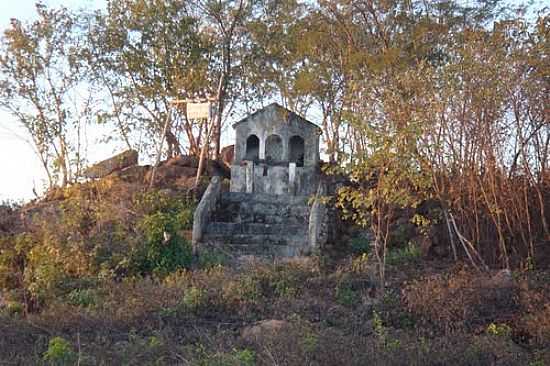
(197, 317)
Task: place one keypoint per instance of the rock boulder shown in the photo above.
(262, 329)
(118, 162)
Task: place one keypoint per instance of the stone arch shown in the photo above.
(274, 148)
(297, 150)
(252, 148)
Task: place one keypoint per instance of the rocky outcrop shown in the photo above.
(118, 162)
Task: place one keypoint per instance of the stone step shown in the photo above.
(259, 250)
(272, 199)
(230, 228)
(261, 239)
(262, 214)
(260, 219)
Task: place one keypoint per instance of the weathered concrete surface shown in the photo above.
(204, 210)
(275, 120)
(318, 216)
(258, 224)
(118, 162)
(276, 152)
(264, 178)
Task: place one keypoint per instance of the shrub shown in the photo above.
(361, 245)
(236, 357)
(59, 352)
(82, 297)
(193, 298)
(346, 295)
(410, 253)
(14, 251)
(500, 330)
(163, 250)
(211, 258)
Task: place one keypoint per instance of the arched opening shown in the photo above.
(297, 150)
(274, 148)
(252, 148)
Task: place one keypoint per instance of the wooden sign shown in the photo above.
(198, 110)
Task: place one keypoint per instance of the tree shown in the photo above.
(147, 53)
(223, 23)
(41, 80)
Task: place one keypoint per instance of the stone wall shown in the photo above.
(204, 210)
(318, 221)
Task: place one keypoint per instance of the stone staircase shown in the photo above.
(258, 224)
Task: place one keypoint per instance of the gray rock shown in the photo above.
(118, 162)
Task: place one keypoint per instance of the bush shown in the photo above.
(82, 297)
(211, 258)
(163, 250)
(14, 251)
(60, 352)
(361, 245)
(408, 254)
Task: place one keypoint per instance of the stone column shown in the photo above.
(262, 147)
(249, 176)
(292, 178)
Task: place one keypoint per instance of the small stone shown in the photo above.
(262, 329)
(502, 279)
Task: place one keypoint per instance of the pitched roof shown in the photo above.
(277, 106)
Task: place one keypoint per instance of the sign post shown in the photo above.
(200, 109)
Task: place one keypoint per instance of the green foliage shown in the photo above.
(164, 249)
(193, 298)
(13, 308)
(346, 295)
(89, 240)
(500, 330)
(399, 256)
(43, 274)
(245, 357)
(82, 297)
(360, 245)
(60, 352)
(237, 357)
(211, 258)
(13, 257)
